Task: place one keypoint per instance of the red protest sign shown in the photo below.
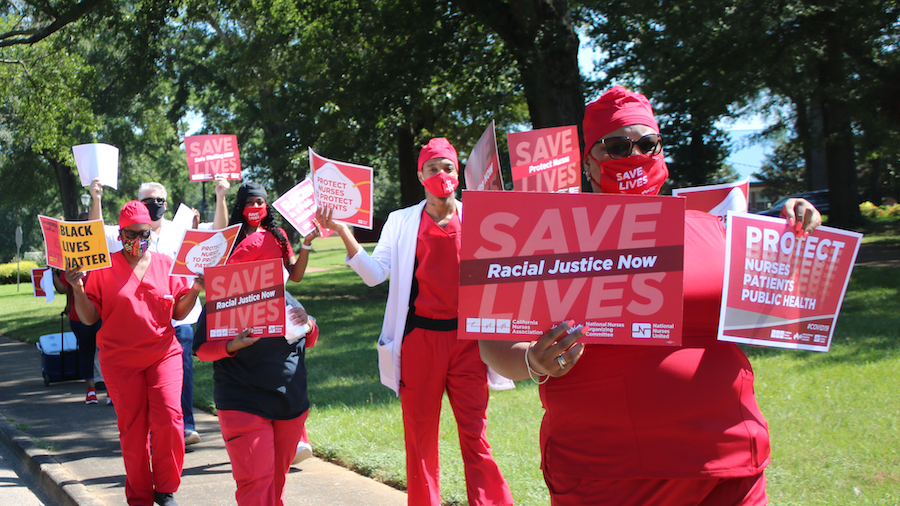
(780, 290)
(344, 187)
(208, 155)
(717, 199)
(201, 249)
(531, 260)
(42, 281)
(546, 160)
(483, 164)
(245, 295)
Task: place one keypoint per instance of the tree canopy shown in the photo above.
(369, 82)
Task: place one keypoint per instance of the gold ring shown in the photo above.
(561, 361)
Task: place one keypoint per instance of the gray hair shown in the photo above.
(149, 187)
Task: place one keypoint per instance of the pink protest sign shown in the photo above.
(483, 165)
(298, 206)
(208, 155)
(717, 199)
(782, 290)
(531, 260)
(344, 187)
(546, 160)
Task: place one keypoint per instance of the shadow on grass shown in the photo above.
(867, 328)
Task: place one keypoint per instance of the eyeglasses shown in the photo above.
(620, 147)
(150, 200)
(132, 235)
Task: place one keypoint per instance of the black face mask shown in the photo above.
(156, 210)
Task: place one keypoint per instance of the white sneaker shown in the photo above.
(304, 451)
(191, 437)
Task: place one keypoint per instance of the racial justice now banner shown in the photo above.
(531, 260)
(71, 244)
(208, 155)
(245, 295)
(781, 290)
(201, 249)
(545, 160)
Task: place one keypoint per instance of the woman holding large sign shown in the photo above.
(260, 384)
(141, 359)
(419, 251)
(639, 425)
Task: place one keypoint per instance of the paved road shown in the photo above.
(15, 491)
(73, 449)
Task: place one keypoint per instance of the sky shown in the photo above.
(745, 161)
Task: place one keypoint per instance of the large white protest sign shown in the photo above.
(97, 160)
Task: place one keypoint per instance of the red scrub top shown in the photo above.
(437, 272)
(661, 412)
(137, 326)
(261, 245)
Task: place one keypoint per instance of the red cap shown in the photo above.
(438, 147)
(133, 212)
(616, 108)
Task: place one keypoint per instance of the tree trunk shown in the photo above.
(816, 161)
(838, 131)
(68, 188)
(540, 35)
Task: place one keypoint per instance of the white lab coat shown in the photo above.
(396, 254)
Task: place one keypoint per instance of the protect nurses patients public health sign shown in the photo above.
(531, 260)
(782, 290)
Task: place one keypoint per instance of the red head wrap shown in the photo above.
(438, 147)
(133, 212)
(617, 108)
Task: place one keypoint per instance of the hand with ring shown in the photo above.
(556, 352)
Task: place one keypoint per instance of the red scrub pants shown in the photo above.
(261, 451)
(148, 412)
(432, 362)
(568, 491)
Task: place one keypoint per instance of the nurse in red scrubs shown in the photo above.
(260, 384)
(636, 425)
(137, 300)
(419, 251)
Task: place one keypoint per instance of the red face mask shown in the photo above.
(441, 184)
(255, 215)
(638, 175)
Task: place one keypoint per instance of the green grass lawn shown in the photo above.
(833, 417)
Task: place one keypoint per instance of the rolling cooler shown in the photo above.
(59, 355)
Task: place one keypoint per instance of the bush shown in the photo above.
(870, 210)
(8, 272)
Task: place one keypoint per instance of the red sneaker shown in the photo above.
(91, 397)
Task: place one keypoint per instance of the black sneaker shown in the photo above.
(167, 499)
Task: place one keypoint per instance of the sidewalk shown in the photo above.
(73, 448)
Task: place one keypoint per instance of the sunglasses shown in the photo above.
(620, 147)
(132, 235)
(150, 200)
